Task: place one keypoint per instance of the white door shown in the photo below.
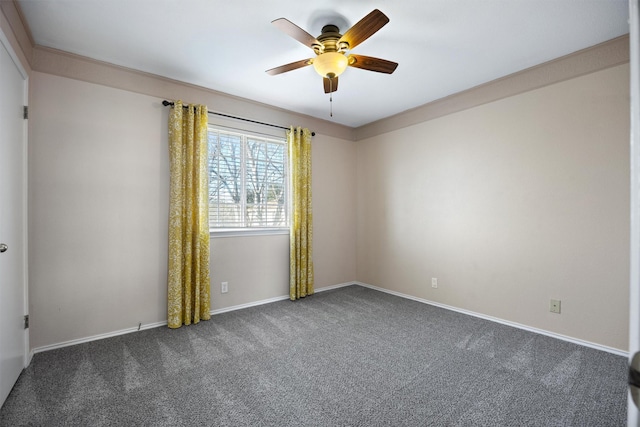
(634, 294)
(13, 241)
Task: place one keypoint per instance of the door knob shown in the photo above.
(634, 379)
(3, 247)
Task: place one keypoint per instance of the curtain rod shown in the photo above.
(167, 103)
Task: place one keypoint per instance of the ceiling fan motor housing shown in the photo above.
(329, 41)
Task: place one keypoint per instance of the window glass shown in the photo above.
(247, 181)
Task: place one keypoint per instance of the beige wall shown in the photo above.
(98, 212)
(98, 201)
(508, 204)
(257, 267)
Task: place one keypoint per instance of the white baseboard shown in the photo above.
(340, 285)
(158, 324)
(327, 288)
(97, 337)
(274, 299)
(502, 321)
(247, 305)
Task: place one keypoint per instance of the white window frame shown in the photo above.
(248, 231)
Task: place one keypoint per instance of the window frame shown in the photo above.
(271, 137)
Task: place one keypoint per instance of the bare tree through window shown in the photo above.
(247, 181)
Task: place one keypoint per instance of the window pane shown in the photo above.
(225, 179)
(247, 181)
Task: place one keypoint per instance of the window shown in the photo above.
(247, 181)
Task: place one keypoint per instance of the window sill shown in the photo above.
(246, 232)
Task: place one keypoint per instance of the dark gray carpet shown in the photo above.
(348, 357)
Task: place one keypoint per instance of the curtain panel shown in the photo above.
(301, 232)
(188, 276)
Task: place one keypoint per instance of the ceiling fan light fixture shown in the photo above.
(330, 64)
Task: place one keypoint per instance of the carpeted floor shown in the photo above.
(347, 357)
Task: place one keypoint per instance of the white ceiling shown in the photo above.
(442, 46)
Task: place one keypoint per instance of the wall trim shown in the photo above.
(248, 305)
(64, 64)
(164, 323)
(274, 299)
(331, 287)
(586, 61)
(97, 337)
(340, 285)
(501, 321)
(13, 25)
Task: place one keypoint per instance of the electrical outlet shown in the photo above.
(224, 287)
(554, 306)
(434, 282)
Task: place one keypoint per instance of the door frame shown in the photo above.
(633, 414)
(27, 355)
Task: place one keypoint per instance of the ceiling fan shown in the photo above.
(331, 49)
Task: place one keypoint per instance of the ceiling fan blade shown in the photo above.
(330, 85)
(364, 28)
(372, 64)
(296, 32)
(289, 67)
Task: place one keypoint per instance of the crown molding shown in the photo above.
(596, 58)
(65, 64)
(17, 33)
(52, 61)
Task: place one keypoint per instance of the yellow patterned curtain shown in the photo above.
(301, 234)
(188, 281)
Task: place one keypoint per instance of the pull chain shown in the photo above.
(331, 97)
